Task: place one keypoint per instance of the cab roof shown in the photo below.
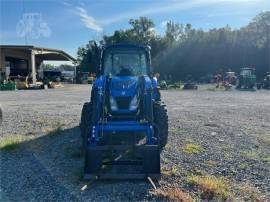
(127, 46)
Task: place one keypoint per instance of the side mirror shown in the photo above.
(151, 74)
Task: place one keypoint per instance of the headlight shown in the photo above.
(113, 104)
(134, 103)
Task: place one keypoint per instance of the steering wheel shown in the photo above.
(125, 71)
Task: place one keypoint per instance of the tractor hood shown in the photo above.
(123, 86)
(124, 94)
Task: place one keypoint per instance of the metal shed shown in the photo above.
(25, 59)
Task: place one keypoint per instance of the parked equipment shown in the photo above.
(125, 125)
(8, 86)
(265, 84)
(163, 85)
(230, 78)
(190, 86)
(247, 78)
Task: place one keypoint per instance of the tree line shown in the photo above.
(186, 51)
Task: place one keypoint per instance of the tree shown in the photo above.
(187, 51)
(89, 57)
(174, 32)
(143, 29)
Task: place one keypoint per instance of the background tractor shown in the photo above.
(163, 85)
(265, 84)
(190, 84)
(246, 79)
(125, 125)
(230, 78)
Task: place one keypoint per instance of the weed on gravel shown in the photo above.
(211, 187)
(174, 171)
(172, 194)
(249, 192)
(11, 142)
(192, 148)
(257, 155)
(55, 131)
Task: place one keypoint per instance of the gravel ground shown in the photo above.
(231, 127)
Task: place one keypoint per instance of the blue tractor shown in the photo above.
(125, 124)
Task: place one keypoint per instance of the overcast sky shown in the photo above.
(69, 24)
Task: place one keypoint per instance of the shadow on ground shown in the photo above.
(50, 167)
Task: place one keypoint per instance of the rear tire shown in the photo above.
(1, 116)
(161, 124)
(86, 123)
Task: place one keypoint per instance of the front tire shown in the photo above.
(161, 124)
(86, 123)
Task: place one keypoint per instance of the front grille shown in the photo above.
(123, 102)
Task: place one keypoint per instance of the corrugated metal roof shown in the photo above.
(48, 56)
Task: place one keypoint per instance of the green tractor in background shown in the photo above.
(246, 79)
(265, 83)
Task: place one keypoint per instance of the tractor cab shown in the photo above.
(247, 72)
(247, 78)
(125, 67)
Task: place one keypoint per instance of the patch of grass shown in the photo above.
(210, 186)
(243, 166)
(265, 139)
(192, 148)
(253, 155)
(266, 159)
(257, 155)
(55, 131)
(11, 142)
(208, 87)
(175, 130)
(250, 193)
(174, 171)
(188, 140)
(212, 163)
(172, 194)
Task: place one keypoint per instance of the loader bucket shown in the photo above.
(145, 162)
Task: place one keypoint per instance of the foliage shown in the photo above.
(11, 142)
(173, 171)
(55, 131)
(198, 52)
(172, 194)
(184, 51)
(192, 148)
(88, 57)
(210, 186)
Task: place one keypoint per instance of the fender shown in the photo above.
(97, 97)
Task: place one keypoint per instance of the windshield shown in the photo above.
(246, 73)
(129, 63)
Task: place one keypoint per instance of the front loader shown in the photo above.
(124, 127)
